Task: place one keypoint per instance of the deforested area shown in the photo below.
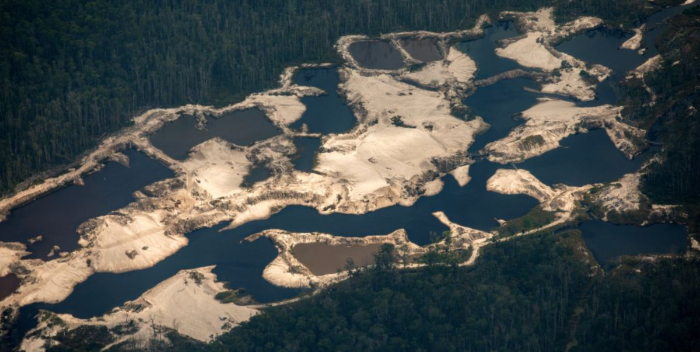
(381, 175)
(72, 71)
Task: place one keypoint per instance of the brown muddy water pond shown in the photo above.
(8, 284)
(425, 49)
(376, 54)
(322, 258)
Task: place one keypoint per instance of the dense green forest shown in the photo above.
(72, 71)
(529, 294)
(675, 115)
(519, 297)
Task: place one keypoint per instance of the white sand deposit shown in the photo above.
(652, 64)
(622, 195)
(562, 200)
(569, 83)
(531, 52)
(461, 175)
(10, 253)
(49, 282)
(551, 120)
(535, 49)
(180, 303)
(132, 243)
(456, 68)
(635, 42)
(625, 197)
(382, 155)
(507, 181)
(218, 167)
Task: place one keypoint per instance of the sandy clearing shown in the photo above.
(138, 244)
(535, 49)
(179, 303)
(461, 175)
(10, 253)
(412, 127)
(561, 199)
(506, 181)
(551, 120)
(530, 52)
(571, 84)
(218, 167)
(635, 42)
(622, 195)
(652, 64)
(456, 68)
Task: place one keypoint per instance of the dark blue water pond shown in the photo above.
(602, 46)
(482, 50)
(376, 54)
(497, 104)
(305, 156)
(425, 49)
(608, 242)
(583, 159)
(325, 113)
(258, 173)
(243, 127)
(8, 285)
(57, 215)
